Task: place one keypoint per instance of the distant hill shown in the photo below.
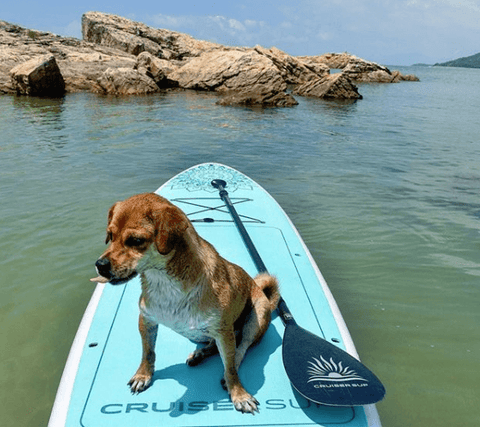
(466, 62)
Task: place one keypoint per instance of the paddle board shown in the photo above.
(106, 351)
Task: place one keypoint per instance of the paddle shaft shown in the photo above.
(282, 309)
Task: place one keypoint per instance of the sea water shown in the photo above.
(385, 192)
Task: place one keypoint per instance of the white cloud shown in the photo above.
(250, 23)
(287, 25)
(173, 22)
(74, 29)
(229, 31)
(324, 36)
(236, 25)
(417, 30)
(461, 4)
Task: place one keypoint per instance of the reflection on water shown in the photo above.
(44, 118)
(383, 190)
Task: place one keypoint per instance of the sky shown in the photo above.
(390, 32)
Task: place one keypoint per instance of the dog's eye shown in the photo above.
(135, 241)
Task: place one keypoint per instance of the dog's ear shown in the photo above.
(170, 224)
(110, 216)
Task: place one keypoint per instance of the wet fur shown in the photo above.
(187, 286)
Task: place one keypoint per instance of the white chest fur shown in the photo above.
(169, 305)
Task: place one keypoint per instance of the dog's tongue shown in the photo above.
(99, 279)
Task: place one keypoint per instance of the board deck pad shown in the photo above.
(192, 396)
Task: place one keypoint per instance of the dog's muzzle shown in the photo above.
(104, 269)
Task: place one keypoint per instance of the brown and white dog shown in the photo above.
(187, 286)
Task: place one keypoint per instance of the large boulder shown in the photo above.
(136, 37)
(228, 69)
(157, 69)
(258, 99)
(332, 60)
(80, 63)
(318, 68)
(126, 81)
(83, 66)
(234, 72)
(40, 76)
(332, 86)
(293, 70)
(358, 69)
(407, 77)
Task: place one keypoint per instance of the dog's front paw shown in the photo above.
(139, 383)
(246, 404)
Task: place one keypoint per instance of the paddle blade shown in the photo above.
(324, 373)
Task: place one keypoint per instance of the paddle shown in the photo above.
(317, 369)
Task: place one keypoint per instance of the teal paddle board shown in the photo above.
(93, 391)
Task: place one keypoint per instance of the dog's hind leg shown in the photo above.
(257, 321)
(254, 328)
(200, 354)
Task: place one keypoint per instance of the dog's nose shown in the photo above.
(103, 267)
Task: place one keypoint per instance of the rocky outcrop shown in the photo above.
(317, 68)
(126, 81)
(359, 70)
(39, 76)
(157, 69)
(332, 86)
(135, 37)
(225, 70)
(293, 70)
(80, 63)
(253, 98)
(247, 76)
(406, 77)
(122, 57)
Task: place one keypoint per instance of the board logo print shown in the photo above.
(199, 179)
(322, 370)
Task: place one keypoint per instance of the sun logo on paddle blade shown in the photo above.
(331, 371)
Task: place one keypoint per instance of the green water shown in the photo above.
(384, 191)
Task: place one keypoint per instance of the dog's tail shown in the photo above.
(269, 286)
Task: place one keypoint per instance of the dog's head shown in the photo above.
(137, 226)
